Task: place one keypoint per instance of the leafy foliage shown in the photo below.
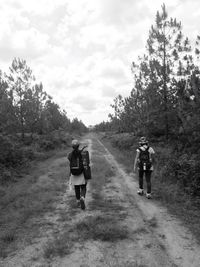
(164, 103)
(30, 121)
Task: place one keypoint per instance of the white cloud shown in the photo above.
(82, 49)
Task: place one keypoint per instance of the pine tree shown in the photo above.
(164, 45)
(20, 80)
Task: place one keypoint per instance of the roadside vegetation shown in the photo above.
(31, 123)
(164, 106)
(25, 202)
(172, 192)
(33, 129)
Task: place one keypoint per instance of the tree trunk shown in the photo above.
(165, 91)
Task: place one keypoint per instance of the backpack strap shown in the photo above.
(140, 149)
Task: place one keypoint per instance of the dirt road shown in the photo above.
(118, 227)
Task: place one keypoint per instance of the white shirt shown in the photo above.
(77, 179)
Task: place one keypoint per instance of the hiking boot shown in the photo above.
(148, 195)
(82, 201)
(140, 191)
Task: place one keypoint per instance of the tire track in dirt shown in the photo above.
(178, 241)
(139, 248)
(150, 228)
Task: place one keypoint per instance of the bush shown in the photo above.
(54, 140)
(15, 153)
(5, 175)
(123, 141)
(180, 168)
(176, 164)
(11, 152)
(46, 145)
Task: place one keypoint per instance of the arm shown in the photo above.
(152, 156)
(69, 158)
(136, 160)
(83, 148)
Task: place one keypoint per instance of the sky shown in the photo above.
(82, 50)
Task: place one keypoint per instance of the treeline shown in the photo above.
(26, 108)
(164, 104)
(31, 123)
(165, 99)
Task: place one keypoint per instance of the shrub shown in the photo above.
(123, 141)
(56, 139)
(180, 169)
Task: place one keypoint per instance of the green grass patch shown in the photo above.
(103, 174)
(123, 155)
(59, 246)
(21, 203)
(152, 222)
(103, 228)
(96, 228)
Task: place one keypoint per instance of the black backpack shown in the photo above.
(76, 162)
(86, 164)
(144, 159)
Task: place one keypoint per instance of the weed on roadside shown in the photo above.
(8, 236)
(97, 228)
(170, 193)
(59, 246)
(22, 205)
(152, 222)
(102, 228)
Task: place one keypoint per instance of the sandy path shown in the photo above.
(180, 245)
(154, 238)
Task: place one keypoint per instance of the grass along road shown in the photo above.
(118, 228)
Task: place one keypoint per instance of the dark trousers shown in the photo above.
(148, 179)
(80, 191)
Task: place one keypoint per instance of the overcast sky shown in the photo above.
(81, 50)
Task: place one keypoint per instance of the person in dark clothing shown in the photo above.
(144, 160)
(77, 178)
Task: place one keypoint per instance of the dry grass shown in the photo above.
(27, 199)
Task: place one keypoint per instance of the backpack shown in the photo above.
(76, 162)
(144, 159)
(86, 164)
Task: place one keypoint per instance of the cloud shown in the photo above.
(113, 71)
(28, 44)
(17, 37)
(86, 102)
(109, 92)
(82, 50)
(77, 84)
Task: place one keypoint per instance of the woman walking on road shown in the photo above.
(144, 161)
(77, 178)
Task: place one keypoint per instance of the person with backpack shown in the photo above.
(77, 178)
(144, 160)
